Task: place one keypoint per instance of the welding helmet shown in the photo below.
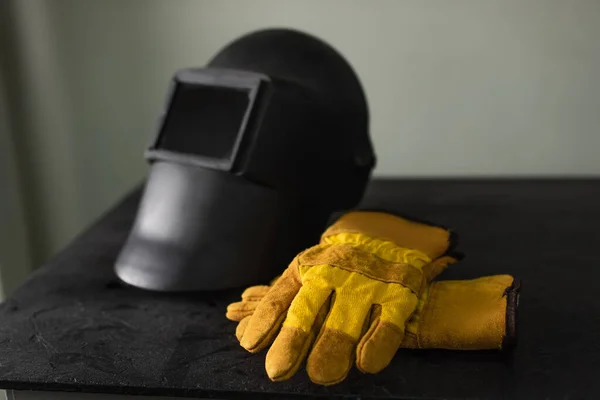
(253, 154)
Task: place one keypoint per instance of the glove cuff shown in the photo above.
(432, 240)
(512, 294)
(477, 314)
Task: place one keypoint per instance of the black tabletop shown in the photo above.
(73, 327)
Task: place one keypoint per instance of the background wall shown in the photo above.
(456, 88)
(14, 244)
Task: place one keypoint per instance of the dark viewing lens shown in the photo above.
(204, 120)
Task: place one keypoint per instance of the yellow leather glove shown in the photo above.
(476, 314)
(351, 295)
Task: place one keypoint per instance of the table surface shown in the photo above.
(74, 327)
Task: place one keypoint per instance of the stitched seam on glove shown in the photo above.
(432, 240)
(413, 324)
(351, 259)
(429, 299)
(384, 249)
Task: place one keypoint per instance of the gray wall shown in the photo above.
(456, 88)
(14, 251)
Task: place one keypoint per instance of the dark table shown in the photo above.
(74, 327)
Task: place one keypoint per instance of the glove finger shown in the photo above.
(304, 319)
(250, 299)
(270, 312)
(379, 344)
(240, 310)
(255, 293)
(436, 267)
(274, 280)
(333, 353)
(241, 328)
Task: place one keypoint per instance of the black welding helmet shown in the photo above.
(253, 154)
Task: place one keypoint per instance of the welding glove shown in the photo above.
(350, 296)
(476, 314)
